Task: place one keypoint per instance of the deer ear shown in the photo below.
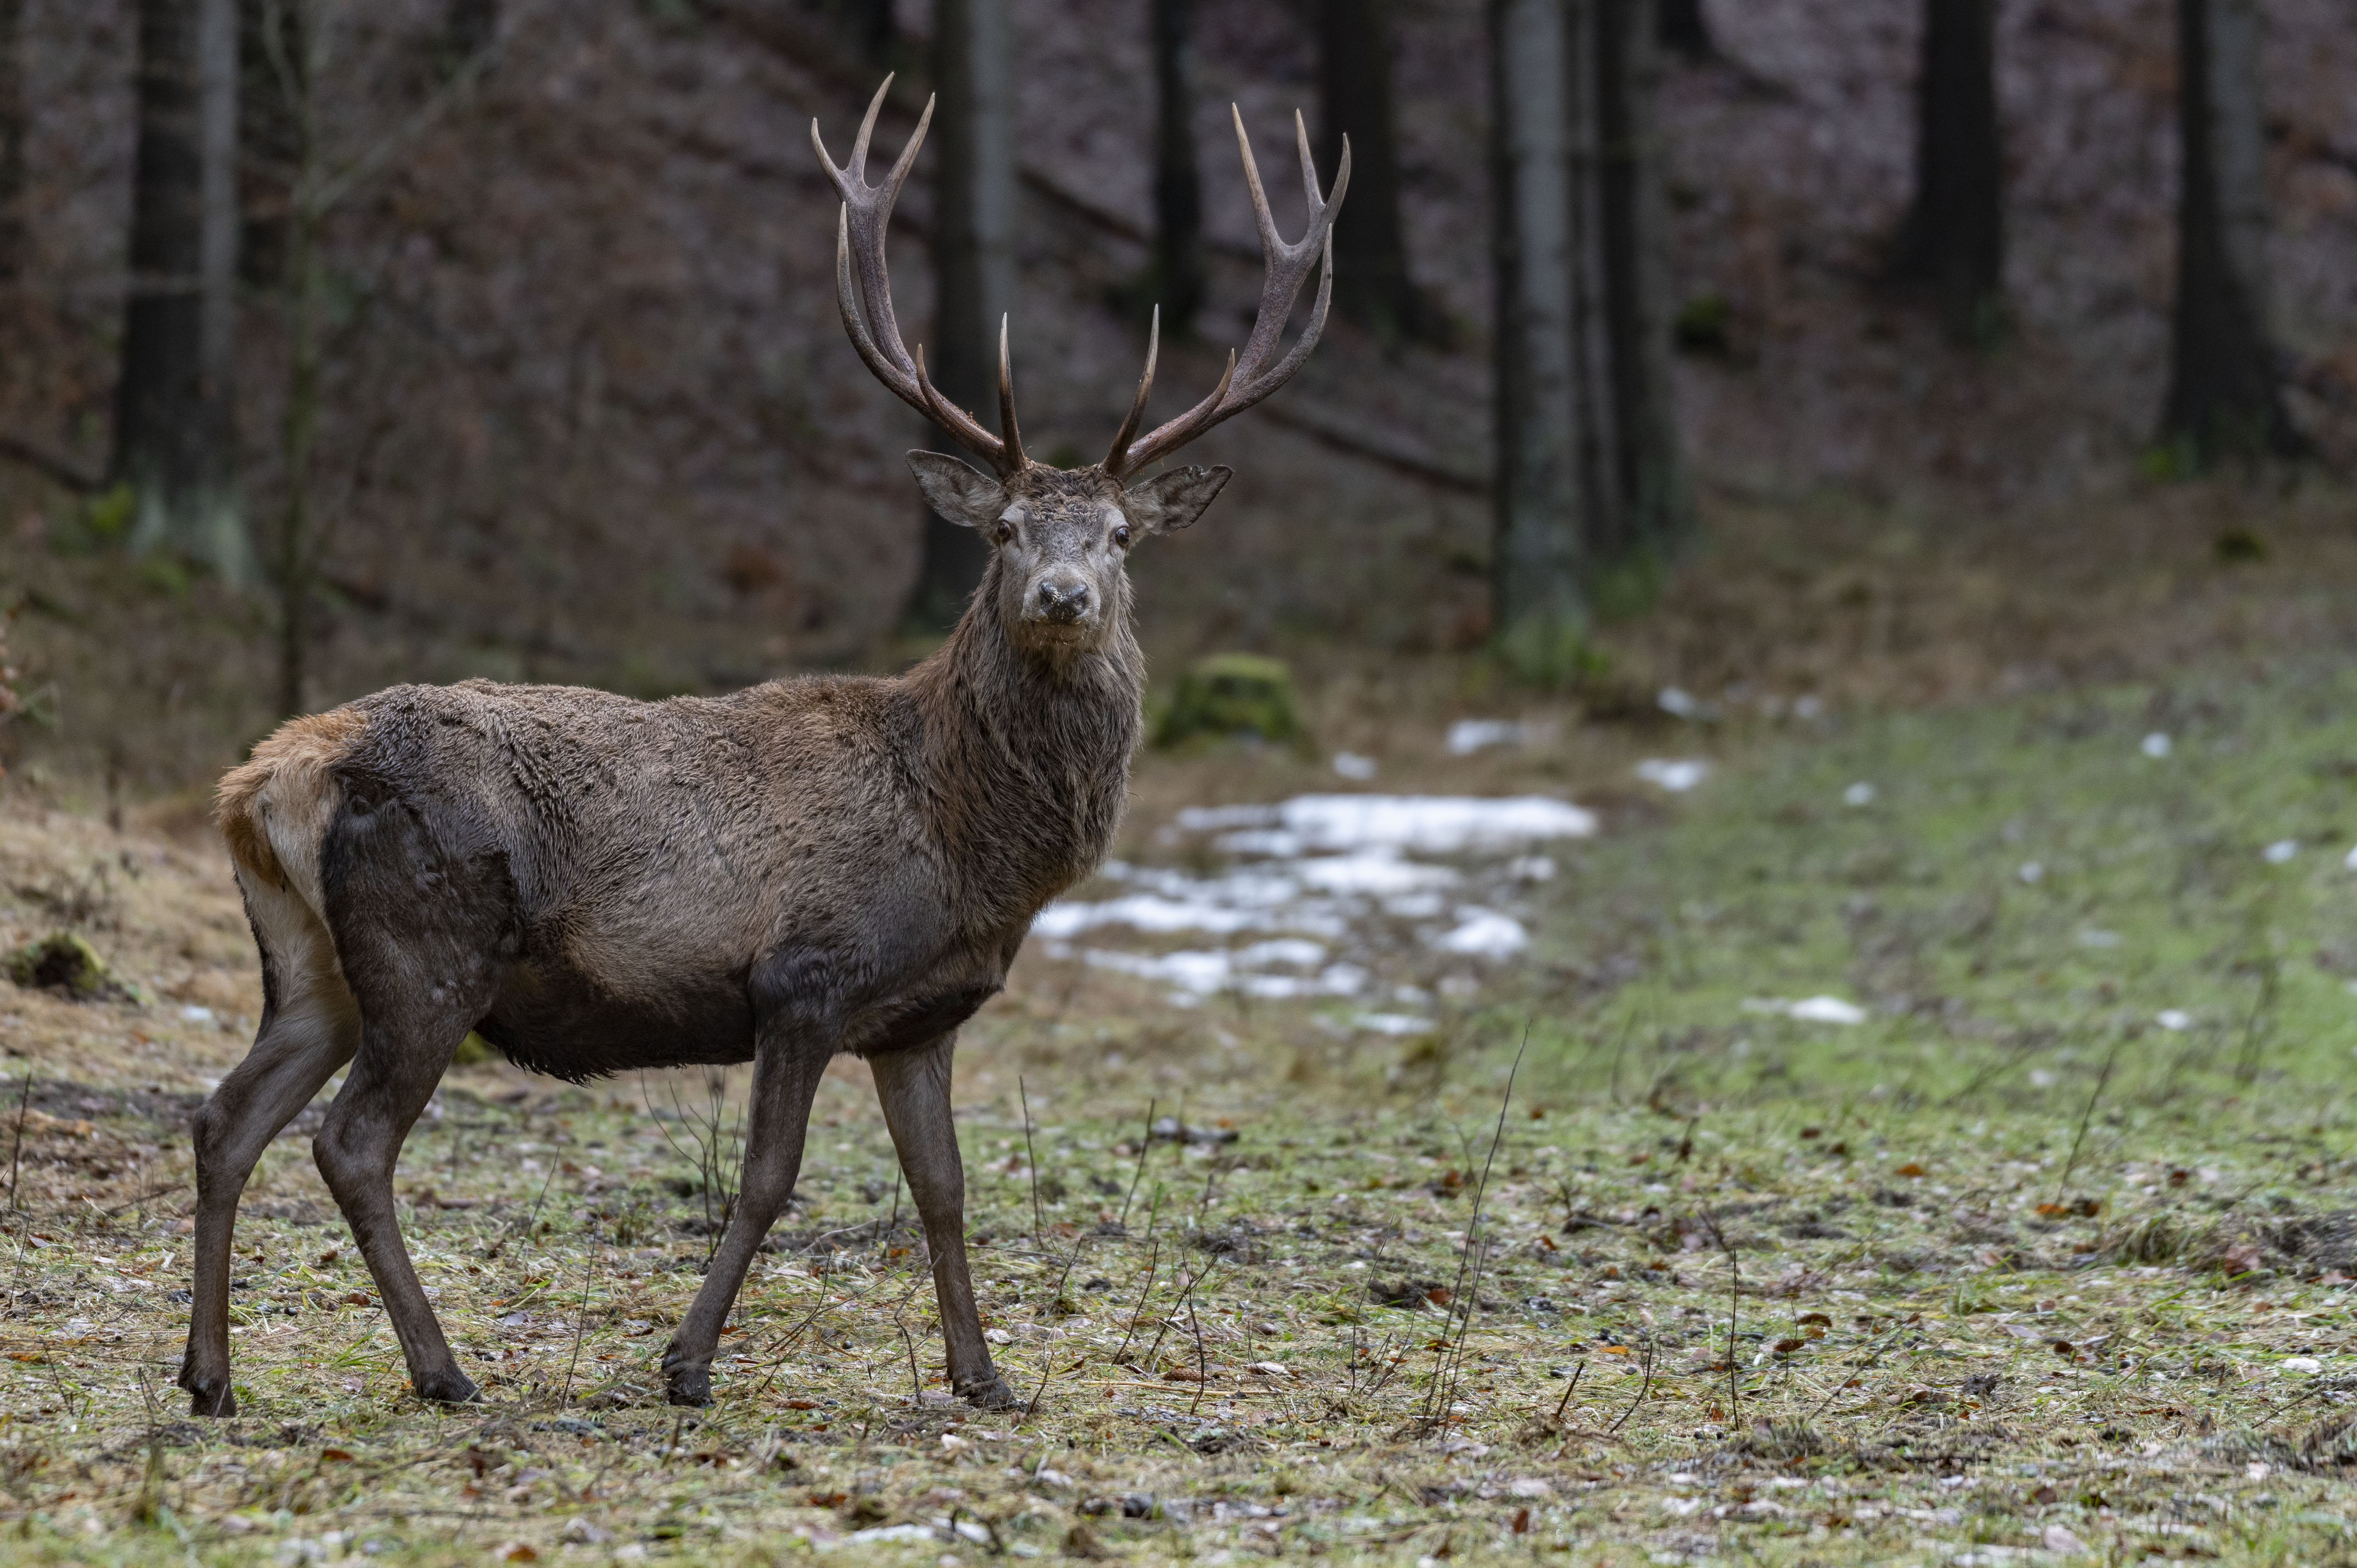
(1168, 502)
(958, 492)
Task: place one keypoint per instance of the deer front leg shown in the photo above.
(786, 1074)
(914, 1086)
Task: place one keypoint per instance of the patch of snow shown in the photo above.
(1858, 794)
(2174, 1018)
(2308, 1364)
(1531, 868)
(2156, 744)
(1425, 824)
(1351, 765)
(1484, 933)
(2281, 851)
(1809, 1009)
(1374, 873)
(2351, 860)
(2031, 872)
(1679, 703)
(1677, 776)
(195, 1015)
(2095, 936)
(1467, 736)
(1392, 1023)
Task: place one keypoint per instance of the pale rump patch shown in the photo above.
(274, 808)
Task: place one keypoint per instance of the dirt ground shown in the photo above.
(1929, 1139)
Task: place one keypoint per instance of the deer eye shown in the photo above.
(1120, 535)
(1002, 530)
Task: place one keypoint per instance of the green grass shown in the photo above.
(2008, 1268)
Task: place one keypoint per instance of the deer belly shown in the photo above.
(555, 1019)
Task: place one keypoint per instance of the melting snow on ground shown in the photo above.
(1327, 896)
(1809, 1009)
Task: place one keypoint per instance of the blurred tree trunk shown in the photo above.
(271, 51)
(13, 232)
(1655, 508)
(173, 423)
(1594, 408)
(1372, 285)
(873, 29)
(1954, 234)
(2225, 393)
(1681, 26)
(1539, 606)
(974, 261)
(1178, 282)
(467, 29)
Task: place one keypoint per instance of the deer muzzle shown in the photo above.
(1062, 598)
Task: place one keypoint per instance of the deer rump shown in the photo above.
(597, 884)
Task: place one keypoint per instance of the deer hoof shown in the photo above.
(993, 1394)
(689, 1386)
(449, 1385)
(210, 1397)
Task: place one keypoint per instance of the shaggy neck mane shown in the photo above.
(1026, 753)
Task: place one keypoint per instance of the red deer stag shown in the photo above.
(814, 865)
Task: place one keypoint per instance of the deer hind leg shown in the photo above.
(786, 1073)
(309, 1028)
(392, 1076)
(914, 1086)
(425, 935)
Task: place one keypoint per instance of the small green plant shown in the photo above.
(63, 961)
(1552, 655)
(1234, 696)
(108, 515)
(1705, 326)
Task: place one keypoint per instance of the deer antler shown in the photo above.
(1249, 376)
(859, 232)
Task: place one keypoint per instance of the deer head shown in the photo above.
(1062, 537)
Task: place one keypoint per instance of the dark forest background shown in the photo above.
(573, 403)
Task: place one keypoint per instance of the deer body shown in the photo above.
(854, 843)
(807, 867)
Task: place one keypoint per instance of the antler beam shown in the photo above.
(867, 309)
(1249, 376)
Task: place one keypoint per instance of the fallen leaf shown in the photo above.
(1910, 1169)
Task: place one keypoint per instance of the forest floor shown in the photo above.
(1930, 1142)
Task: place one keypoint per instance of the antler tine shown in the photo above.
(1116, 460)
(859, 161)
(1009, 435)
(875, 332)
(1249, 377)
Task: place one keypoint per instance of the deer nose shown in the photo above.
(1063, 600)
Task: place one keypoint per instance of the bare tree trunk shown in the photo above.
(13, 233)
(2225, 394)
(1177, 283)
(1596, 413)
(172, 416)
(973, 259)
(1536, 588)
(1371, 284)
(872, 28)
(217, 71)
(467, 29)
(1954, 234)
(1656, 505)
(295, 48)
(1681, 26)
